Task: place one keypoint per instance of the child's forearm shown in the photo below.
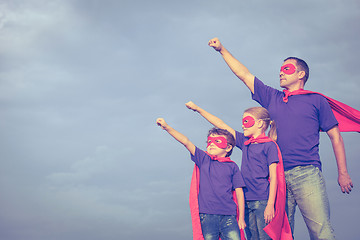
(177, 135)
(181, 138)
(217, 122)
(269, 212)
(273, 184)
(241, 202)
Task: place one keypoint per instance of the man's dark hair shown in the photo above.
(302, 65)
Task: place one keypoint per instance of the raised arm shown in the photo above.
(236, 67)
(337, 142)
(177, 135)
(217, 122)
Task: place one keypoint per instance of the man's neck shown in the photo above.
(291, 89)
(295, 87)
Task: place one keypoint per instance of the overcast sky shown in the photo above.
(83, 81)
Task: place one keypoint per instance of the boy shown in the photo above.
(218, 177)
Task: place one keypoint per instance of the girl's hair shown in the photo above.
(223, 132)
(263, 114)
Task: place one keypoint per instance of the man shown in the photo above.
(299, 119)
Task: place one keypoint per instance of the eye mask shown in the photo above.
(288, 69)
(220, 142)
(248, 121)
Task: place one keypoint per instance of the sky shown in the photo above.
(83, 82)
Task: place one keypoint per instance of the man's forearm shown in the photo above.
(238, 69)
(339, 151)
(337, 142)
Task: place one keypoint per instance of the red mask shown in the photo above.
(248, 121)
(288, 69)
(219, 141)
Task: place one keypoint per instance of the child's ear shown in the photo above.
(228, 148)
(260, 123)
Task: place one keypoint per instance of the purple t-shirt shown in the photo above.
(256, 159)
(298, 123)
(217, 181)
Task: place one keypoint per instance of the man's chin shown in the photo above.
(282, 85)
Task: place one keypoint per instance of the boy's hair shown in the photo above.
(302, 65)
(223, 132)
(263, 114)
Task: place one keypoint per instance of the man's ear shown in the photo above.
(301, 74)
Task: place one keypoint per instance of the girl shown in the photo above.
(262, 171)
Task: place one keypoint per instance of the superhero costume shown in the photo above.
(348, 117)
(279, 227)
(194, 204)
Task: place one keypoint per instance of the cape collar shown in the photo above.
(220, 159)
(260, 139)
(296, 92)
(348, 117)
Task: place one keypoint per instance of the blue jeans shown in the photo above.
(254, 219)
(214, 226)
(306, 189)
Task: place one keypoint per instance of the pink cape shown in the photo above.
(194, 204)
(279, 227)
(348, 117)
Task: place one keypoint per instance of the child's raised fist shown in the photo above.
(161, 122)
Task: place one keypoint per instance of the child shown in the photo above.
(260, 171)
(218, 176)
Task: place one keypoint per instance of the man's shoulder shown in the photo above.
(261, 86)
(315, 97)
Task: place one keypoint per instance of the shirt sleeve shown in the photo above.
(273, 154)
(238, 181)
(263, 93)
(327, 119)
(239, 140)
(199, 157)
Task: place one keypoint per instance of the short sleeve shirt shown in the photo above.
(298, 123)
(256, 159)
(217, 182)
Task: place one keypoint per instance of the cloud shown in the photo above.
(82, 83)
